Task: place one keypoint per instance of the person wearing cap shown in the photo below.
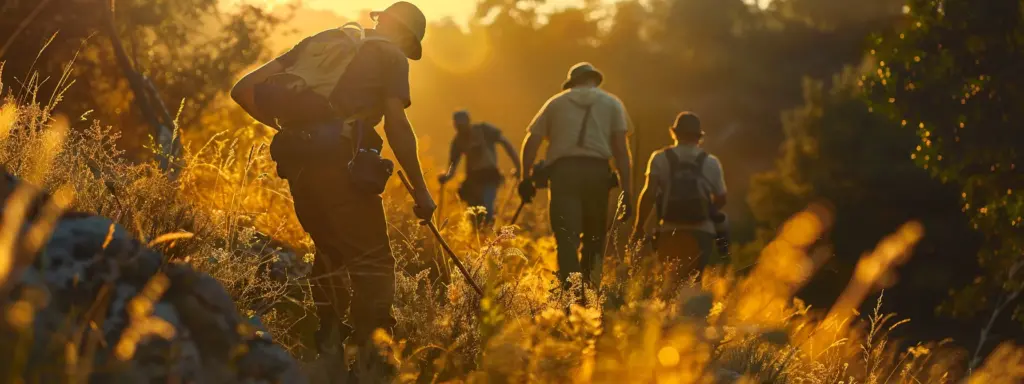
(476, 141)
(585, 128)
(690, 245)
(346, 224)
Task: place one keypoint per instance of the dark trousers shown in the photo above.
(349, 230)
(579, 215)
(481, 190)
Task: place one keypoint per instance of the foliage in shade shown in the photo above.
(191, 50)
(835, 150)
(953, 74)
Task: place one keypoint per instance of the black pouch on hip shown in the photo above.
(369, 170)
(287, 150)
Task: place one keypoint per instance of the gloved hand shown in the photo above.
(444, 178)
(425, 206)
(527, 191)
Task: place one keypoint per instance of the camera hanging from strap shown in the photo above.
(369, 171)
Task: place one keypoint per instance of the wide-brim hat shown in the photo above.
(582, 71)
(412, 18)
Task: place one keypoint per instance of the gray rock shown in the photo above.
(725, 376)
(88, 273)
(285, 263)
(160, 360)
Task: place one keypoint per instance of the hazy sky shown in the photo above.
(460, 10)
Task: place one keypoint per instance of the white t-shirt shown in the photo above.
(658, 168)
(561, 119)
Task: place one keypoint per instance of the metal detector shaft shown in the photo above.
(444, 244)
(519, 210)
(440, 202)
(508, 199)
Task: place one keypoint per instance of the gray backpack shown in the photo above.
(687, 199)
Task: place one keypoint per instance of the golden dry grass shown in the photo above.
(637, 328)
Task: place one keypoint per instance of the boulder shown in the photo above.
(97, 293)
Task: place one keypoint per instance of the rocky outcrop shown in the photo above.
(108, 309)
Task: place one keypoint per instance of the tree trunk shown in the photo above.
(152, 107)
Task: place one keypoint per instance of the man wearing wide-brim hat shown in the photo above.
(347, 221)
(585, 127)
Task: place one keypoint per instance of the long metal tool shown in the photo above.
(440, 202)
(508, 199)
(444, 244)
(519, 210)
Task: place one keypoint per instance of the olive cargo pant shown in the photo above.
(579, 214)
(688, 250)
(349, 230)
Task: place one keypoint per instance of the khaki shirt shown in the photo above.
(561, 119)
(478, 145)
(714, 184)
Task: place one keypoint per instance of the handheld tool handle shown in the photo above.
(444, 244)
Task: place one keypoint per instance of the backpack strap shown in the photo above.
(356, 27)
(583, 128)
(701, 158)
(673, 160)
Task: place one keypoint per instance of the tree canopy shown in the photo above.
(837, 151)
(953, 75)
(190, 50)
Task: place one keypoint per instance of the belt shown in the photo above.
(348, 128)
(346, 131)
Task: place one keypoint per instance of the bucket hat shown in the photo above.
(412, 18)
(581, 71)
(688, 123)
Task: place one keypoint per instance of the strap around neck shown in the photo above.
(581, 140)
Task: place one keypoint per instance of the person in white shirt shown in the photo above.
(585, 128)
(685, 190)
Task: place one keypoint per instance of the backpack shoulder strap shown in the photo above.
(374, 38)
(673, 159)
(673, 162)
(355, 28)
(701, 158)
(364, 37)
(580, 141)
